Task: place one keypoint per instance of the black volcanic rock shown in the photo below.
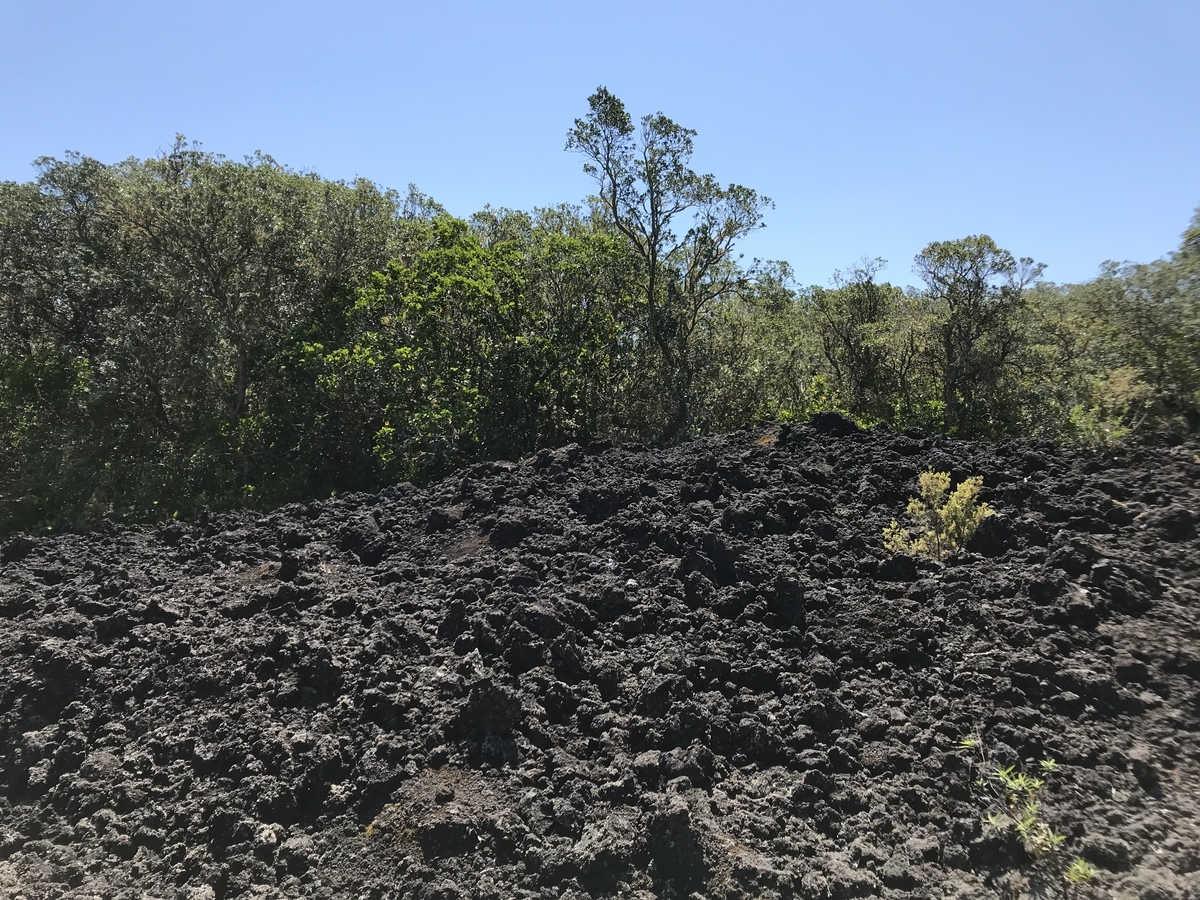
(613, 672)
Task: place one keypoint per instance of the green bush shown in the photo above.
(942, 520)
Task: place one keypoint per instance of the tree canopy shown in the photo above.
(190, 331)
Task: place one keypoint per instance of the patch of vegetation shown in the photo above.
(1115, 410)
(1080, 871)
(189, 331)
(1015, 800)
(942, 520)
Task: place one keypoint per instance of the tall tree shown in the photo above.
(975, 290)
(647, 192)
(870, 372)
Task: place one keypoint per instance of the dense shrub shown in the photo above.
(191, 331)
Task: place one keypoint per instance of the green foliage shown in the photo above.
(942, 520)
(405, 378)
(1022, 810)
(190, 331)
(1016, 800)
(1115, 409)
(166, 287)
(975, 299)
(644, 187)
(953, 357)
(873, 365)
(1080, 871)
(1120, 355)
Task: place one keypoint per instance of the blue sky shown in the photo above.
(1068, 131)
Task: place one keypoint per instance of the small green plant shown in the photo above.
(1017, 807)
(1023, 810)
(943, 520)
(1080, 871)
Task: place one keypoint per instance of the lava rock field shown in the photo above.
(607, 672)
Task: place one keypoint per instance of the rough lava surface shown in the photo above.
(616, 672)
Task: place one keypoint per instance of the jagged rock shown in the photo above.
(612, 672)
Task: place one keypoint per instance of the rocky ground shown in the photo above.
(616, 672)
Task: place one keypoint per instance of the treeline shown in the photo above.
(190, 331)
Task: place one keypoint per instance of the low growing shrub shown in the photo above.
(942, 520)
(1015, 801)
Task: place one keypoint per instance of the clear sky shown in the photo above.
(1068, 131)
